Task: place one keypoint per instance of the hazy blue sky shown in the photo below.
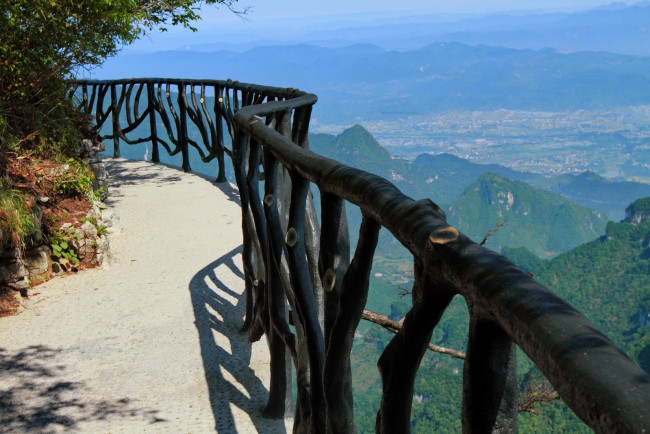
(286, 8)
(287, 19)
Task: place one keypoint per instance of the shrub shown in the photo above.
(16, 217)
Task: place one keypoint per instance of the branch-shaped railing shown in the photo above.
(297, 273)
(175, 105)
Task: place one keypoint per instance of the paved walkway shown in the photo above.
(152, 343)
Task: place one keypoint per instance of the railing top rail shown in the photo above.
(285, 92)
(571, 352)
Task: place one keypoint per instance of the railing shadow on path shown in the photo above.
(120, 175)
(123, 172)
(219, 310)
(35, 396)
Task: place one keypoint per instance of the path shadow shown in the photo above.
(35, 397)
(231, 192)
(220, 310)
(124, 172)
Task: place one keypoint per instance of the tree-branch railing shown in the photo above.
(297, 273)
(176, 105)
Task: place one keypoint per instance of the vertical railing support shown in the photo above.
(221, 175)
(337, 372)
(305, 301)
(400, 360)
(182, 134)
(155, 156)
(489, 379)
(115, 117)
(334, 256)
(281, 340)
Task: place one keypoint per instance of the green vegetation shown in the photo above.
(59, 242)
(640, 207)
(43, 44)
(75, 180)
(608, 280)
(544, 222)
(16, 216)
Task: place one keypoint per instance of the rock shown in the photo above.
(10, 252)
(20, 285)
(87, 145)
(79, 246)
(89, 230)
(104, 256)
(638, 211)
(111, 221)
(98, 167)
(37, 262)
(12, 270)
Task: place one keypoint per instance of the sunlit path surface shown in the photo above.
(151, 343)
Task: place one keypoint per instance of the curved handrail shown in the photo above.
(594, 377)
(285, 262)
(123, 97)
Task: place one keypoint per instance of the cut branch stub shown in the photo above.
(291, 238)
(268, 200)
(444, 235)
(329, 280)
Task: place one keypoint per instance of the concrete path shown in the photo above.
(152, 343)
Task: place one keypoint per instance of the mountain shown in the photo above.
(617, 27)
(449, 175)
(607, 279)
(356, 147)
(366, 82)
(543, 221)
(594, 191)
(621, 29)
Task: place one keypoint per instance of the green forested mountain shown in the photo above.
(543, 221)
(607, 279)
(449, 175)
(356, 147)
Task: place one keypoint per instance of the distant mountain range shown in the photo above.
(364, 81)
(618, 28)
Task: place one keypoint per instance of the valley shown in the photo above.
(612, 143)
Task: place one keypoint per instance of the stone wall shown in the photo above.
(86, 245)
(21, 269)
